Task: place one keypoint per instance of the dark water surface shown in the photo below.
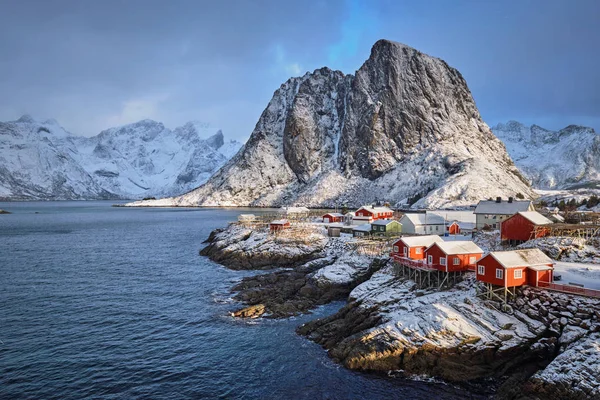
(102, 302)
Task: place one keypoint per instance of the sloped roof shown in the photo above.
(334, 214)
(459, 247)
(418, 241)
(363, 228)
(502, 208)
(280, 222)
(376, 209)
(557, 217)
(535, 217)
(383, 222)
(424, 219)
(521, 258)
(452, 215)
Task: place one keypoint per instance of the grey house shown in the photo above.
(491, 213)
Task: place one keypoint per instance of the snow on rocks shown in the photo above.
(427, 332)
(238, 247)
(573, 374)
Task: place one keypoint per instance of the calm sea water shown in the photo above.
(102, 302)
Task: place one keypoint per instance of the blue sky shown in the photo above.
(96, 64)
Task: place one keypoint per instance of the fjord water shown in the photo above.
(104, 302)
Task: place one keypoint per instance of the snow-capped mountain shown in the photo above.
(40, 160)
(564, 159)
(405, 128)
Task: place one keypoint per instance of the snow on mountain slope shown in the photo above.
(568, 158)
(404, 129)
(36, 164)
(43, 161)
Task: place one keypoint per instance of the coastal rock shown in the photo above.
(431, 334)
(250, 312)
(573, 374)
(4, 212)
(242, 248)
(404, 128)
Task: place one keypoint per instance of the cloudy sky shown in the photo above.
(96, 64)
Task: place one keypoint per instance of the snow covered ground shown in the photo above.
(581, 273)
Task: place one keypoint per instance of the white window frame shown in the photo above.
(418, 250)
(396, 249)
(405, 251)
(519, 275)
(472, 260)
(481, 270)
(499, 273)
(442, 260)
(456, 261)
(429, 259)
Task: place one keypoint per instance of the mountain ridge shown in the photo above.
(403, 128)
(565, 159)
(43, 161)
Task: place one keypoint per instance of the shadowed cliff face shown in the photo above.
(399, 99)
(404, 126)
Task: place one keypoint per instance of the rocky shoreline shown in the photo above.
(533, 347)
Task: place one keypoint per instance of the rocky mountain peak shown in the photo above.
(404, 128)
(26, 118)
(216, 141)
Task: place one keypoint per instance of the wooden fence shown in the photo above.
(570, 289)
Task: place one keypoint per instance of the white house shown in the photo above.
(423, 224)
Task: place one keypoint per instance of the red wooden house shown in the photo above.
(333, 218)
(279, 225)
(514, 268)
(524, 226)
(413, 247)
(453, 256)
(368, 214)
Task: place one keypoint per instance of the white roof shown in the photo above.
(383, 222)
(521, 258)
(279, 222)
(459, 247)
(375, 209)
(535, 217)
(502, 208)
(334, 214)
(557, 217)
(419, 241)
(350, 214)
(452, 215)
(424, 219)
(364, 227)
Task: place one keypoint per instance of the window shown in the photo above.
(499, 273)
(418, 250)
(481, 270)
(456, 261)
(405, 251)
(494, 217)
(518, 273)
(442, 260)
(437, 227)
(472, 260)
(430, 259)
(396, 249)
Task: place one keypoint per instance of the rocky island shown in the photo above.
(540, 345)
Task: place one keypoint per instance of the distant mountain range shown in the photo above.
(564, 159)
(41, 160)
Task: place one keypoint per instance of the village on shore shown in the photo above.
(433, 248)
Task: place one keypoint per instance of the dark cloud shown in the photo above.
(92, 65)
